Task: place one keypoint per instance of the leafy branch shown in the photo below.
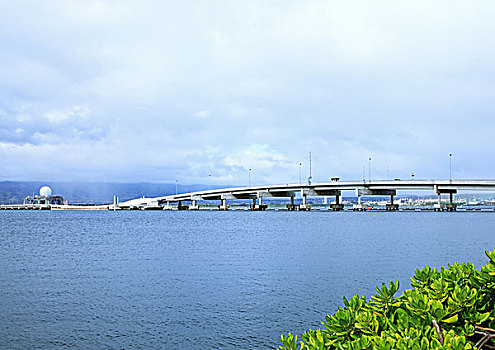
(450, 308)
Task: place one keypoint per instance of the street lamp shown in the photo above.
(176, 182)
(450, 161)
(300, 176)
(249, 177)
(209, 182)
(369, 169)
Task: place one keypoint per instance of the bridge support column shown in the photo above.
(391, 206)
(260, 206)
(451, 206)
(337, 206)
(291, 206)
(305, 206)
(224, 205)
(439, 206)
(181, 207)
(253, 206)
(194, 205)
(359, 206)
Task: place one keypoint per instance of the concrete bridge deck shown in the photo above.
(333, 188)
(290, 191)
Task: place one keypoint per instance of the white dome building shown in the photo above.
(44, 199)
(46, 191)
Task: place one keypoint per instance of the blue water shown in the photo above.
(207, 280)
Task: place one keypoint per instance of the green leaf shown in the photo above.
(483, 317)
(452, 319)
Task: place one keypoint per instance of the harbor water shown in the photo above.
(208, 280)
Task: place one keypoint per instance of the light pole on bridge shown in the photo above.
(450, 166)
(176, 182)
(369, 169)
(300, 172)
(249, 177)
(209, 182)
(310, 172)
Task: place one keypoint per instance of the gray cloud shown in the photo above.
(25, 124)
(158, 91)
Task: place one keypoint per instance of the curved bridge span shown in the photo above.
(333, 188)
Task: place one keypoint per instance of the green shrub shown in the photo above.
(450, 308)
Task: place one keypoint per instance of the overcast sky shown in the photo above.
(158, 91)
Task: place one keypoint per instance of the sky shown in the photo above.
(200, 92)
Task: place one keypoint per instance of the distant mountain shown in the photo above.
(97, 193)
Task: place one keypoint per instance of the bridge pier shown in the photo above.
(253, 205)
(181, 207)
(391, 206)
(224, 205)
(291, 206)
(359, 206)
(450, 206)
(438, 206)
(337, 206)
(260, 206)
(305, 206)
(194, 205)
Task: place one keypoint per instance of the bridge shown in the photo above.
(326, 189)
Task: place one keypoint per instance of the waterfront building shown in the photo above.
(45, 197)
